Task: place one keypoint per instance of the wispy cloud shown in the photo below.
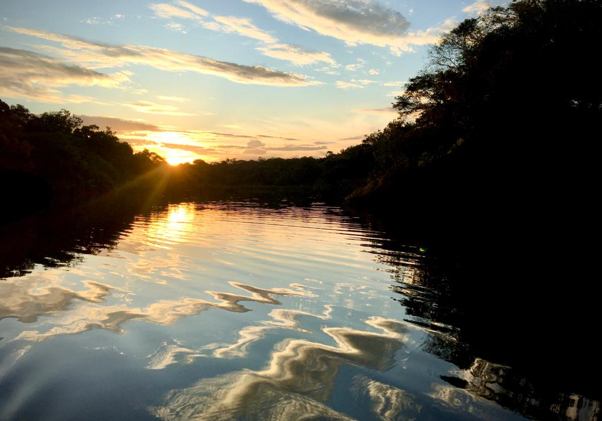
(376, 111)
(296, 55)
(152, 108)
(173, 98)
(96, 20)
(243, 27)
(193, 8)
(297, 148)
(25, 74)
(177, 27)
(118, 125)
(477, 8)
(168, 11)
(352, 21)
(347, 85)
(99, 55)
(395, 83)
(396, 93)
(363, 81)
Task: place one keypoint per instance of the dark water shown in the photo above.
(242, 311)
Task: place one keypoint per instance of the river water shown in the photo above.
(241, 311)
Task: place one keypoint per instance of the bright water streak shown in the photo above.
(224, 312)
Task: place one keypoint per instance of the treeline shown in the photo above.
(333, 176)
(53, 156)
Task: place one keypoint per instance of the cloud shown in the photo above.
(355, 67)
(244, 27)
(168, 11)
(177, 27)
(201, 150)
(363, 81)
(477, 8)
(296, 148)
(374, 72)
(354, 138)
(377, 111)
(152, 108)
(296, 55)
(352, 21)
(396, 93)
(173, 98)
(96, 20)
(117, 124)
(395, 83)
(98, 55)
(255, 144)
(25, 74)
(228, 24)
(347, 85)
(193, 8)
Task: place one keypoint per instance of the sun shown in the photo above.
(176, 147)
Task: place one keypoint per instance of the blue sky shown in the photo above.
(222, 79)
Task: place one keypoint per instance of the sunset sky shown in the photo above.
(221, 79)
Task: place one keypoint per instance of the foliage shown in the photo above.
(507, 97)
(73, 159)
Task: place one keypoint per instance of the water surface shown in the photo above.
(235, 310)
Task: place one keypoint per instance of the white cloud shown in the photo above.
(193, 8)
(396, 83)
(296, 55)
(152, 108)
(97, 55)
(354, 67)
(168, 11)
(353, 21)
(244, 27)
(177, 27)
(477, 8)
(395, 93)
(328, 70)
(96, 20)
(363, 81)
(374, 72)
(347, 85)
(25, 74)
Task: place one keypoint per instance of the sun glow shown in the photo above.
(176, 147)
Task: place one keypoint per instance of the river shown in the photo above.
(243, 310)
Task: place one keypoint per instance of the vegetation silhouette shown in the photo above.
(53, 156)
(499, 122)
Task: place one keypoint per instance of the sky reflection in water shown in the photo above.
(227, 311)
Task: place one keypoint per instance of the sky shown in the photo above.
(217, 79)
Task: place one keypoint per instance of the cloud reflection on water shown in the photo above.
(163, 312)
(297, 381)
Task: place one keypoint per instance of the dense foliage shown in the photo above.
(55, 149)
(509, 99)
